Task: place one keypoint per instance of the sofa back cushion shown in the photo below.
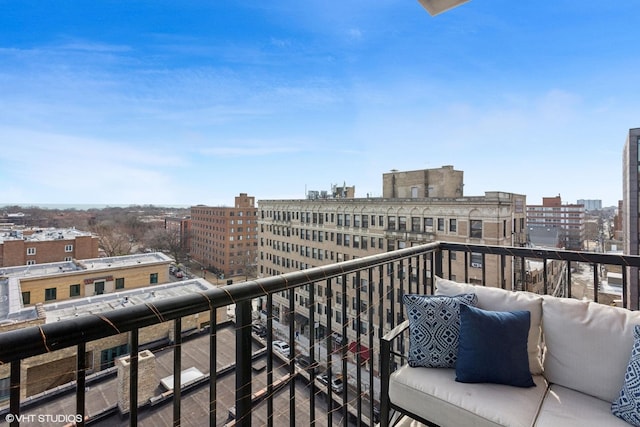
(587, 345)
(496, 299)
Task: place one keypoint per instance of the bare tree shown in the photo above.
(167, 240)
(112, 239)
(248, 264)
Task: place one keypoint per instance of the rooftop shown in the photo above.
(65, 267)
(40, 234)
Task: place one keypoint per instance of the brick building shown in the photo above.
(299, 234)
(226, 238)
(568, 219)
(20, 246)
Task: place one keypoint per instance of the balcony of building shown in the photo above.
(234, 373)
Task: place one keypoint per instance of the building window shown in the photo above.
(440, 224)
(68, 248)
(68, 258)
(391, 222)
(402, 223)
(50, 294)
(428, 225)
(74, 290)
(26, 298)
(453, 226)
(476, 260)
(476, 229)
(5, 386)
(153, 278)
(415, 223)
(31, 262)
(120, 283)
(31, 251)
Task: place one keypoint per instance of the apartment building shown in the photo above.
(568, 219)
(28, 246)
(226, 238)
(47, 293)
(181, 227)
(59, 281)
(631, 208)
(299, 234)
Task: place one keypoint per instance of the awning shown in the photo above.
(354, 347)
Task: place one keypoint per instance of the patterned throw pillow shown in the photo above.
(434, 328)
(627, 406)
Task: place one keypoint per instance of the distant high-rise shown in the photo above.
(226, 238)
(591, 205)
(630, 208)
(568, 219)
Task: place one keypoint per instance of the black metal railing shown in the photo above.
(369, 305)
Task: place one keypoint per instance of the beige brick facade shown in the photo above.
(299, 234)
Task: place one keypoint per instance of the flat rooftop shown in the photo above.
(65, 267)
(112, 301)
(41, 234)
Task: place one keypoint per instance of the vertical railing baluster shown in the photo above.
(312, 349)
(270, 360)
(381, 306)
(81, 375)
(343, 352)
(625, 301)
(545, 278)
(569, 287)
(177, 369)
(503, 262)
(596, 281)
(523, 276)
(213, 367)
(357, 347)
(133, 378)
(484, 269)
(243, 363)
(329, 341)
(371, 332)
(14, 393)
(292, 383)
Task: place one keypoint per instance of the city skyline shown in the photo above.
(196, 102)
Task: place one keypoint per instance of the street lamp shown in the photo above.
(435, 7)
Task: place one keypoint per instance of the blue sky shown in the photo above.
(193, 102)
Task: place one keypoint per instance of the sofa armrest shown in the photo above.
(387, 354)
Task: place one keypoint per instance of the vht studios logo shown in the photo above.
(43, 418)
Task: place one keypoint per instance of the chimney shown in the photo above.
(147, 381)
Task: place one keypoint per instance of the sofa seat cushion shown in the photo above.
(497, 299)
(587, 345)
(569, 408)
(433, 394)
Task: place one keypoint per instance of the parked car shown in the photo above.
(259, 330)
(179, 274)
(304, 362)
(281, 347)
(336, 382)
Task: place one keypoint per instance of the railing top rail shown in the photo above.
(34, 340)
(559, 254)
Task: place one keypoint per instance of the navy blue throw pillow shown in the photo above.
(493, 347)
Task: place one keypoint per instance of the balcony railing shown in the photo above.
(343, 342)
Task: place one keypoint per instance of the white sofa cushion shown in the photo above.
(497, 299)
(588, 345)
(433, 394)
(569, 408)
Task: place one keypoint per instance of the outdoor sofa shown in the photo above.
(577, 363)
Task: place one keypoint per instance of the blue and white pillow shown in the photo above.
(627, 406)
(434, 328)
